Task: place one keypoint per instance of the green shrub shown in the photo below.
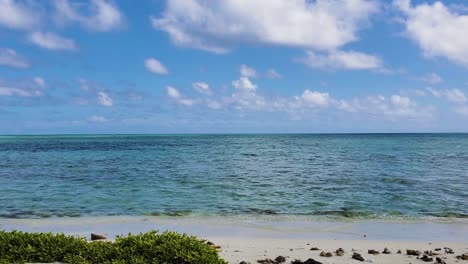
(151, 247)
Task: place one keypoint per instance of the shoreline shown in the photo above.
(252, 239)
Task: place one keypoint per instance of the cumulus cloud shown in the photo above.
(202, 87)
(395, 106)
(17, 15)
(247, 71)
(104, 99)
(10, 58)
(155, 66)
(99, 15)
(219, 25)
(274, 75)
(244, 83)
(436, 29)
(337, 60)
(314, 98)
(51, 41)
(175, 95)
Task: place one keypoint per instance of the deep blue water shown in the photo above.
(356, 175)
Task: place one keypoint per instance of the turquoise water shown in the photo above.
(356, 175)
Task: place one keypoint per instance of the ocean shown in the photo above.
(330, 175)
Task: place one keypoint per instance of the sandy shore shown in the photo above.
(251, 239)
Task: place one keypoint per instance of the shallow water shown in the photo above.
(359, 175)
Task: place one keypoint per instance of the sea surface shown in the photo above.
(343, 175)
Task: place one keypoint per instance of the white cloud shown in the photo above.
(273, 74)
(174, 94)
(214, 104)
(104, 99)
(49, 40)
(336, 60)
(245, 84)
(97, 119)
(219, 25)
(401, 101)
(245, 95)
(456, 96)
(453, 95)
(392, 107)
(40, 82)
(155, 66)
(10, 91)
(247, 71)
(432, 78)
(100, 15)
(17, 15)
(26, 87)
(439, 31)
(9, 57)
(202, 87)
(313, 98)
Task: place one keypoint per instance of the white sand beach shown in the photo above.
(252, 239)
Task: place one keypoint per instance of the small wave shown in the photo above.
(346, 214)
(260, 211)
(398, 180)
(36, 215)
(249, 154)
(450, 215)
(171, 213)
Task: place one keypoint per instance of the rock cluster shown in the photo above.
(358, 256)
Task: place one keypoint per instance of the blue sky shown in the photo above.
(233, 66)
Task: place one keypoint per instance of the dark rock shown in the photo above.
(358, 256)
(437, 249)
(326, 254)
(314, 248)
(280, 259)
(413, 252)
(373, 252)
(448, 250)
(339, 252)
(266, 261)
(311, 261)
(425, 258)
(386, 251)
(399, 251)
(97, 237)
(244, 262)
(440, 261)
(209, 243)
(430, 253)
(297, 262)
(463, 257)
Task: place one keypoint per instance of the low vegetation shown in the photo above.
(151, 247)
